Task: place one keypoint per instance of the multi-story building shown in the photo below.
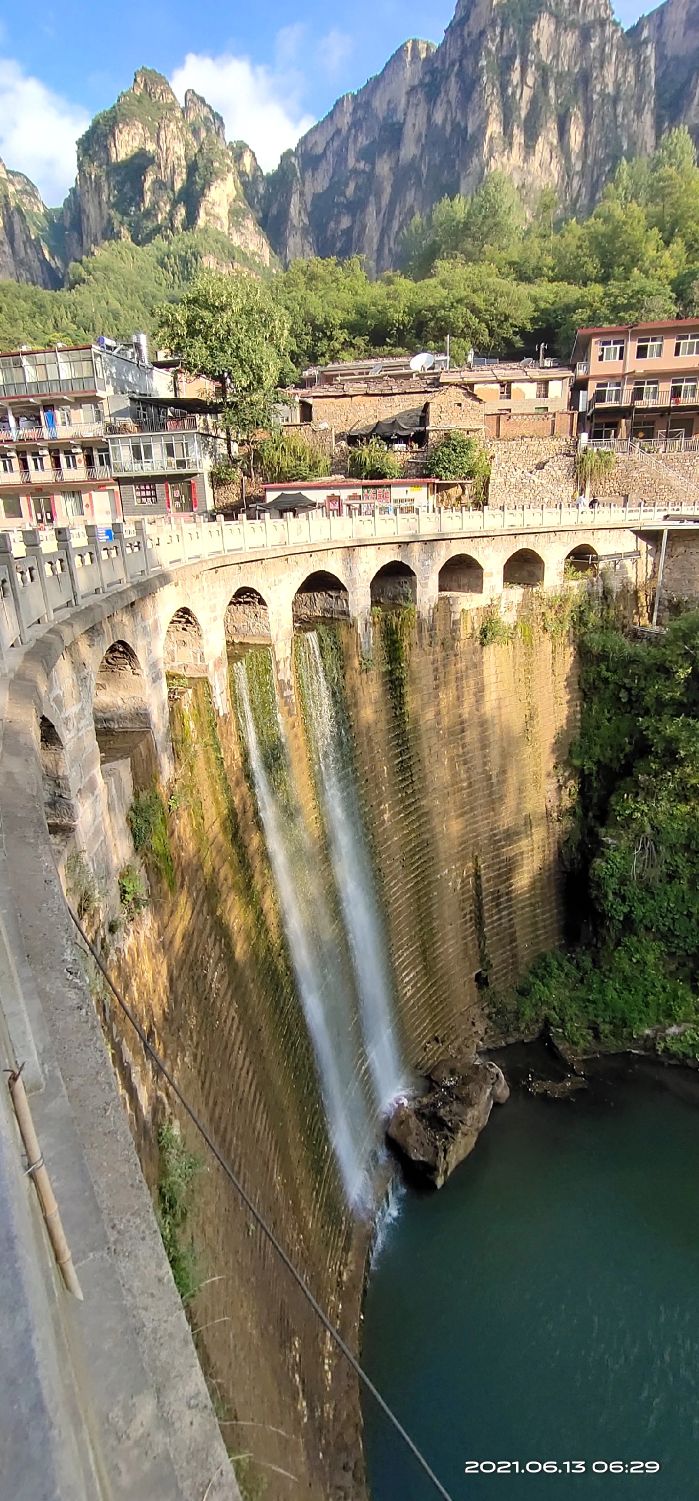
(93, 433)
(639, 381)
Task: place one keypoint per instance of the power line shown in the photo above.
(261, 1222)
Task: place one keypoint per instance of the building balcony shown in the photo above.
(40, 433)
(46, 389)
(49, 478)
(125, 426)
(582, 368)
(128, 468)
(648, 396)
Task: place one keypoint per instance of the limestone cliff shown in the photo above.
(674, 32)
(551, 91)
(148, 165)
(25, 233)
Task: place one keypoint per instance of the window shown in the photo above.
(604, 434)
(12, 508)
(683, 390)
(73, 504)
(542, 388)
(38, 461)
(611, 349)
(683, 347)
(6, 463)
(645, 391)
(649, 349)
(505, 390)
(70, 461)
(145, 495)
(608, 392)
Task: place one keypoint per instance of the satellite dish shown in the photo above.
(422, 361)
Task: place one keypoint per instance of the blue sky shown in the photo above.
(271, 71)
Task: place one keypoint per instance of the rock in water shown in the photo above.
(436, 1130)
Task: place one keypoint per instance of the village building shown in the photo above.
(343, 497)
(638, 382)
(409, 403)
(94, 433)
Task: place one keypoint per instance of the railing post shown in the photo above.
(142, 534)
(376, 520)
(222, 529)
(6, 549)
(119, 533)
(91, 532)
(64, 539)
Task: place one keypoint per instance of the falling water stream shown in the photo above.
(316, 954)
(353, 873)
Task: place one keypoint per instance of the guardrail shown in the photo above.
(46, 574)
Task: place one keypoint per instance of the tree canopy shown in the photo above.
(231, 328)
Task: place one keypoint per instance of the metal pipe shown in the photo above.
(37, 1170)
(659, 585)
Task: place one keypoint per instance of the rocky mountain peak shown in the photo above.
(202, 119)
(154, 85)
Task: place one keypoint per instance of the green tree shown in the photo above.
(460, 457)
(231, 329)
(286, 456)
(373, 460)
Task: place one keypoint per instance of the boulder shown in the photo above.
(434, 1131)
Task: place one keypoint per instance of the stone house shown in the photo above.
(505, 400)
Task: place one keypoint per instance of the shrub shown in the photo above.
(147, 820)
(459, 457)
(223, 474)
(592, 464)
(177, 1171)
(132, 890)
(494, 628)
(374, 460)
(81, 886)
(286, 456)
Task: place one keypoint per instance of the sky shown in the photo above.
(269, 70)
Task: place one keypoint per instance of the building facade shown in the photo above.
(490, 398)
(639, 381)
(93, 433)
(344, 497)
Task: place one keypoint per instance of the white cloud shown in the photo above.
(38, 131)
(334, 49)
(260, 105)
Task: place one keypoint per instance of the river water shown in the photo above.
(544, 1306)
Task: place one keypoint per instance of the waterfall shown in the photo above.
(315, 955)
(354, 876)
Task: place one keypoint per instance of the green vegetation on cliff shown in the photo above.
(632, 849)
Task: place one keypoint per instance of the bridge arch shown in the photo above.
(394, 584)
(183, 646)
(120, 698)
(461, 574)
(247, 615)
(59, 805)
(524, 567)
(320, 596)
(581, 560)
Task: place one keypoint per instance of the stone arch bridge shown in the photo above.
(90, 625)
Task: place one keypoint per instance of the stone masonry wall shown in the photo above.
(532, 471)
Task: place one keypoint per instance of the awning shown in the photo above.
(400, 425)
(293, 500)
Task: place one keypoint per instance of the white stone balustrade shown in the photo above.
(44, 575)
